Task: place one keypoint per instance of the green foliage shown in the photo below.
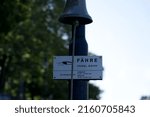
(94, 92)
(30, 35)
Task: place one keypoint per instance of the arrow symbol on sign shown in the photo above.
(66, 62)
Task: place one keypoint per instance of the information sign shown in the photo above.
(85, 67)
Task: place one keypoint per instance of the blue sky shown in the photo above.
(120, 32)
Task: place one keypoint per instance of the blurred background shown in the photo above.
(120, 32)
(30, 35)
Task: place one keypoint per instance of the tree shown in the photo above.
(30, 35)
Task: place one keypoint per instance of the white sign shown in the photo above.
(85, 67)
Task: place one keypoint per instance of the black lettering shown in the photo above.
(82, 60)
(48, 110)
(86, 59)
(52, 109)
(35, 110)
(56, 110)
(40, 110)
(91, 60)
(95, 60)
(44, 109)
(22, 110)
(32, 109)
(61, 110)
(78, 59)
(67, 109)
(16, 110)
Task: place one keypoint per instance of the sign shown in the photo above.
(85, 67)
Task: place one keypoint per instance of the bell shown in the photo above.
(75, 10)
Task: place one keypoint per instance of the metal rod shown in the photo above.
(74, 25)
(80, 87)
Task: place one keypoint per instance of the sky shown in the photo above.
(120, 33)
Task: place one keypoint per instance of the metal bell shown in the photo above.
(75, 10)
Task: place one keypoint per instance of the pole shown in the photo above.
(79, 88)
